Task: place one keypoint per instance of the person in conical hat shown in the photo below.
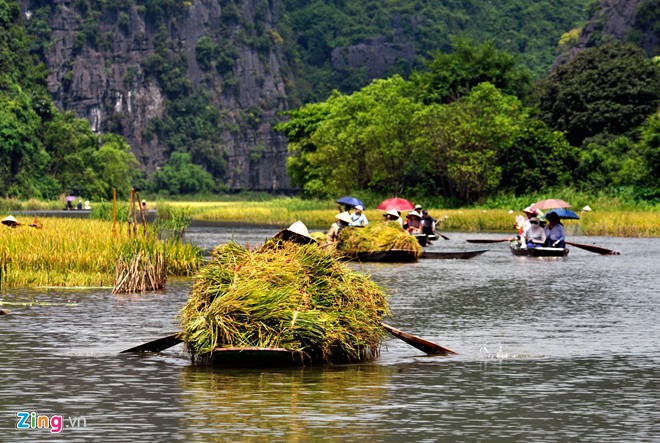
(10, 221)
(342, 220)
(414, 219)
(297, 232)
(393, 215)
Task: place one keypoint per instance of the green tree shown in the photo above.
(649, 150)
(180, 176)
(610, 89)
(448, 77)
(113, 165)
(22, 158)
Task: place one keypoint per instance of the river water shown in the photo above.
(561, 349)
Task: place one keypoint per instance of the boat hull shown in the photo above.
(251, 358)
(539, 252)
(389, 256)
(435, 255)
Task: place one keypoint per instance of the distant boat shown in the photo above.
(424, 239)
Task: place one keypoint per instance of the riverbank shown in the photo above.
(319, 215)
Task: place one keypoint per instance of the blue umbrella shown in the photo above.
(564, 213)
(350, 201)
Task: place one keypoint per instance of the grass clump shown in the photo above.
(141, 267)
(284, 295)
(376, 237)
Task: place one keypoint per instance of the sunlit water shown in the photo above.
(562, 349)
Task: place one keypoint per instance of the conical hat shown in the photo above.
(9, 221)
(300, 229)
(297, 232)
(344, 216)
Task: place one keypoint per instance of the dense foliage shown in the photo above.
(43, 152)
(452, 132)
(527, 28)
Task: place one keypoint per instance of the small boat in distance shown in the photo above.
(425, 239)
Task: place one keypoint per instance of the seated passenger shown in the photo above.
(358, 218)
(414, 222)
(341, 221)
(534, 236)
(555, 236)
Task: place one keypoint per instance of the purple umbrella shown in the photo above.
(71, 198)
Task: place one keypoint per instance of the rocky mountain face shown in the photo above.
(616, 20)
(109, 61)
(107, 83)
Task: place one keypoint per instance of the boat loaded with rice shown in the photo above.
(385, 242)
(289, 302)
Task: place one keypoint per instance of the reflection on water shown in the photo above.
(550, 350)
(303, 404)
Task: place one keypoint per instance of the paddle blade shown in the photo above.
(594, 249)
(157, 345)
(417, 342)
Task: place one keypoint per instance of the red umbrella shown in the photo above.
(396, 203)
(551, 203)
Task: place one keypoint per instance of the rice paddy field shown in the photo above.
(75, 252)
(320, 215)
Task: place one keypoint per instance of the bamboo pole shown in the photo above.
(114, 212)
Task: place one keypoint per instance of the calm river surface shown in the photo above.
(557, 350)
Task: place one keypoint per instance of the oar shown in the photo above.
(426, 346)
(158, 344)
(419, 343)
(443, 236)
(487, 240)
(596, 249)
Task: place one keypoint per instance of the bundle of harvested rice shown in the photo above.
(376, 237)
(284, 295)
(141, 267)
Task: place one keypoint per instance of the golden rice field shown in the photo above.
(76, 252)
(320, 215)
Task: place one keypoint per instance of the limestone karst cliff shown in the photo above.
(101, 66)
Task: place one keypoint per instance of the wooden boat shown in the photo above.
(252, 357)
(425, 239)
(452, 254)
(422, 239)
(389, 256)
(539, 252)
